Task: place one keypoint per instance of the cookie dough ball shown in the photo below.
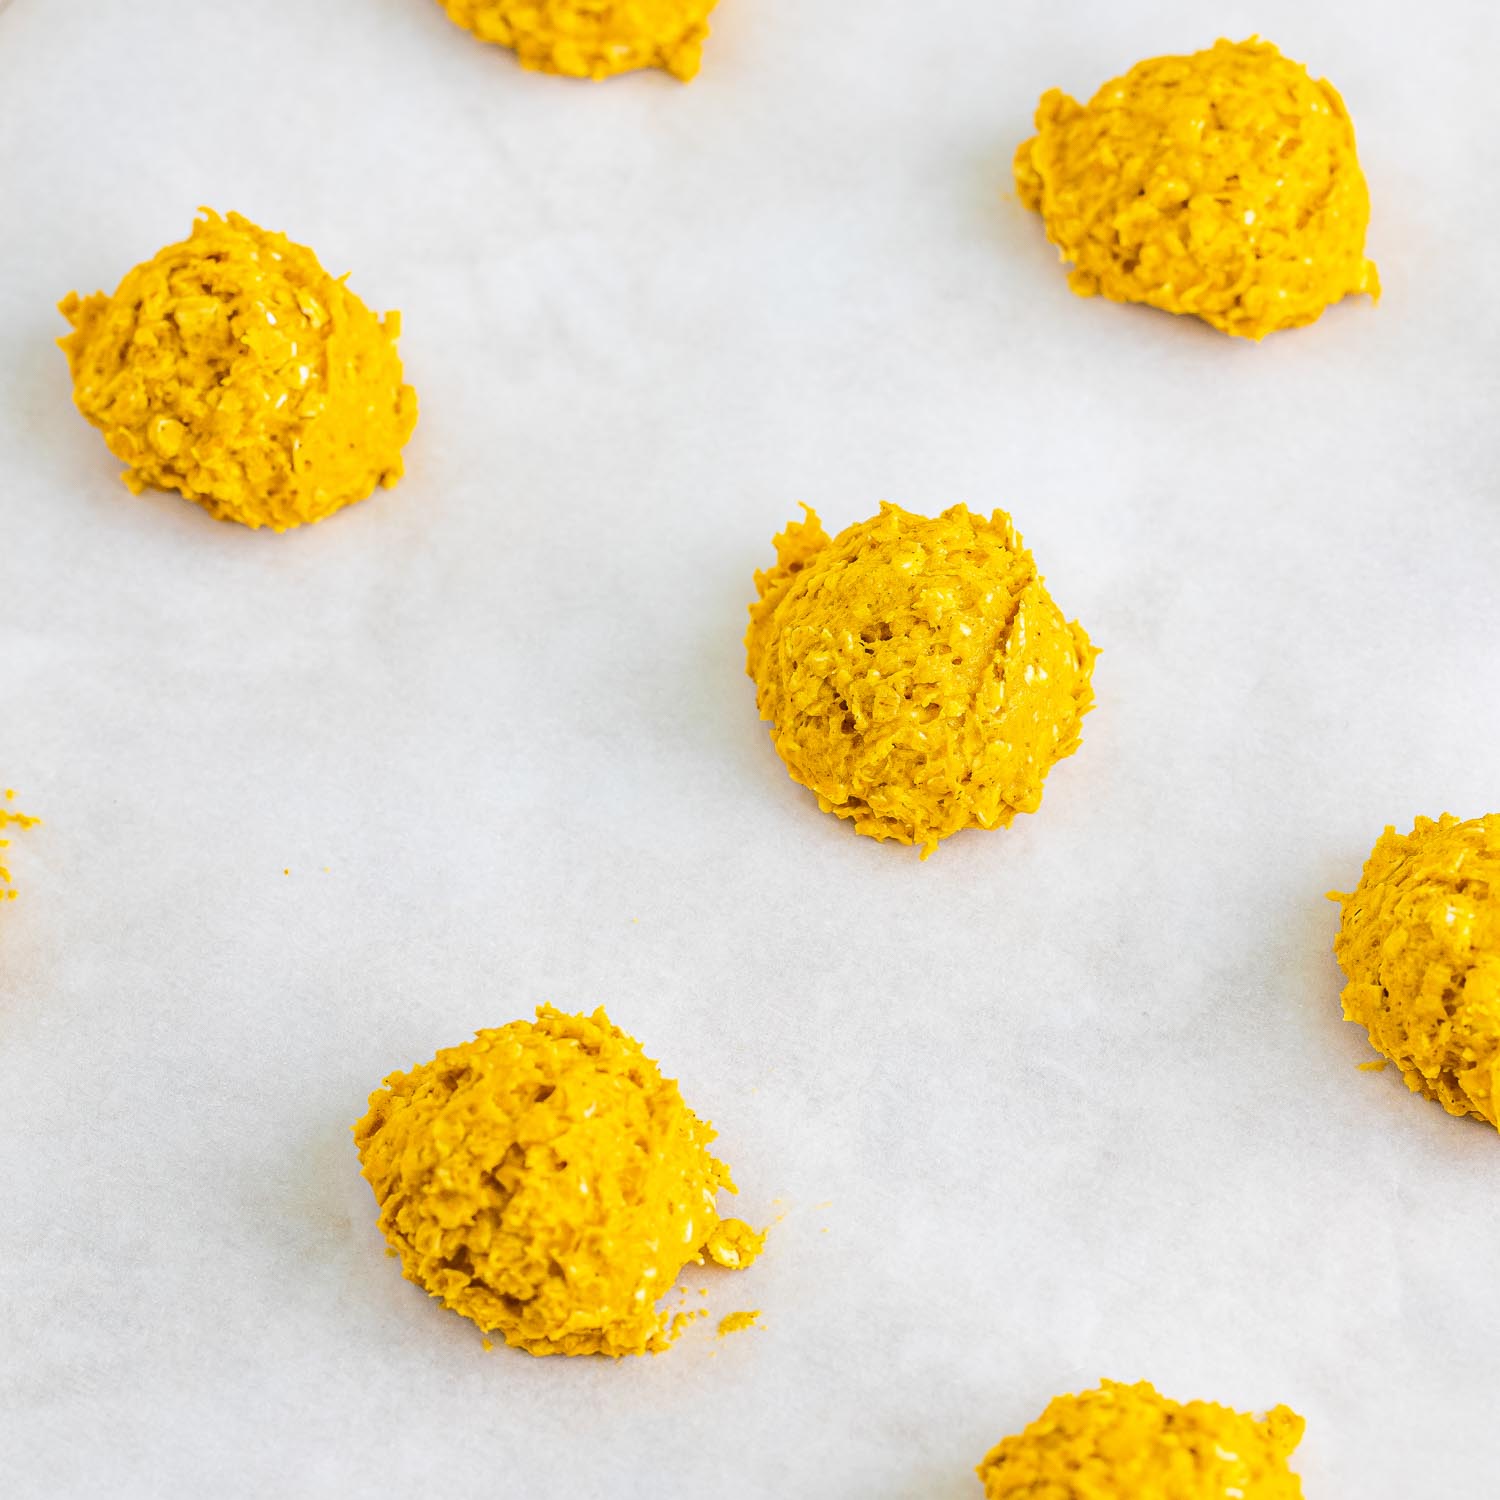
(916, 673)
(1224, 184)
(1125, 1442)
(547, 1182)
(231, 367)
(1420, 944)
(592, 38)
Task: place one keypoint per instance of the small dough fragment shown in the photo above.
(1224, 185)
(734, 1244)
(916, 674)
(10, 818)
(1419, 942)
(592, 38)
(231, 367)
(548, 1183)
(1126, 1442)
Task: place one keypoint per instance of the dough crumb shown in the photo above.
(11, 818)
(734, 1244)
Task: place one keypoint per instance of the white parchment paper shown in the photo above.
(1068, 1101)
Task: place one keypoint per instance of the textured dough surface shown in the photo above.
(548, 1183)
(592, 38)
(1419, 942)
(231, 367)
(1126, 1442)
(1224, 184)
(916, 674)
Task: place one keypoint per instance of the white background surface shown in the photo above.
(1068, 1101)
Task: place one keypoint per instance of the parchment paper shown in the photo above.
(1068, 1101)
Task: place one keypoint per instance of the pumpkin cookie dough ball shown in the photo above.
(1224, 184)
(1420, 945)
(1125, 1442)
(546, 1181)
(916, 673)
(592, 38)
(231, 367)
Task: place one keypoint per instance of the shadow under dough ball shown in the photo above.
(1224, 185)
(592, 38)
(916, 674)
(548, 1183)
(1127, 1442)
(1419, 941)
(233, 368)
